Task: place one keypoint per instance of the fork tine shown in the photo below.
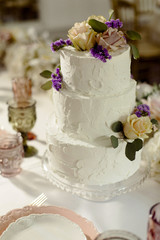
(39, 200)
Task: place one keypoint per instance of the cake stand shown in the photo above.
(96, 192)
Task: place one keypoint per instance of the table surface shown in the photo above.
(126, 212)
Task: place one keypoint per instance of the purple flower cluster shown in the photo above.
(57, 79)
(55, 46)
(101, 53)
(114, 23)
(142, 110)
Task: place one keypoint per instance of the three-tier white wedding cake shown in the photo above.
(93, 89)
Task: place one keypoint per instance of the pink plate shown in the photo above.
(87, 227)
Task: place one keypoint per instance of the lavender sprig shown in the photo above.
(114, 23)
(57, 79)
(101, 53)
(142, 110)
(55, 46)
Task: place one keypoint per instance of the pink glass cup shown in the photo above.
(22, 88)
(11, 154)
(154, 223)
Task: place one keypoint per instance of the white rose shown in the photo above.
(82, 36)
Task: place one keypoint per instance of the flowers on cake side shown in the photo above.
(98, 36)
(150, 95)
(137, 127)
(55, 82)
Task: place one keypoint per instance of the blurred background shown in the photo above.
(27, 27)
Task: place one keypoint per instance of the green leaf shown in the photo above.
(135, 51)
(97, 26)
(47, 85)
(117, 126)
(154, 121)
(138, 144)
(114, 141)
(130, 151)
(111, 11)
(46, 74)
(133, 35)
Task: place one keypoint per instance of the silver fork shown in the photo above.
(39, 200)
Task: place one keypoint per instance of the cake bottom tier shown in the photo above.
(85, 163)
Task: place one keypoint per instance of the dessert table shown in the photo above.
(126, 212)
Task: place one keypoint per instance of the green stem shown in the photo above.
(24, 136)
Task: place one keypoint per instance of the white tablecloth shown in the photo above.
(127, 212)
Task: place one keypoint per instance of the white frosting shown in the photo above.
(94, 95)
(43, 226)
(90, 76)
(89, 118)
(81, 162)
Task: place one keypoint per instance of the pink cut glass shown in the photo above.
(154, 223)
(11, 153)
(22, 88)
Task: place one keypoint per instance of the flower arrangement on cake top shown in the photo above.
(134, 130)
(97, 36)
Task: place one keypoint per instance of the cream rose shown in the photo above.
(98, 18)
(112, 39)
(82, 36)
(137, 127)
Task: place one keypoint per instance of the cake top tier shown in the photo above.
(88, 76)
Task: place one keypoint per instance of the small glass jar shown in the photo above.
(117, 235)
(154, 223)
(11, 154)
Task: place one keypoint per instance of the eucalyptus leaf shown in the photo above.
(138, 144)
(154, 121)
(114, 141)
(133, 35)
(130, 151)
(97, 25)
(47, 85)
(135, 51)
(46, 74)
(111, 11)
(117, 126)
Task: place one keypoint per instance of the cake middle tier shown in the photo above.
(88, 118)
